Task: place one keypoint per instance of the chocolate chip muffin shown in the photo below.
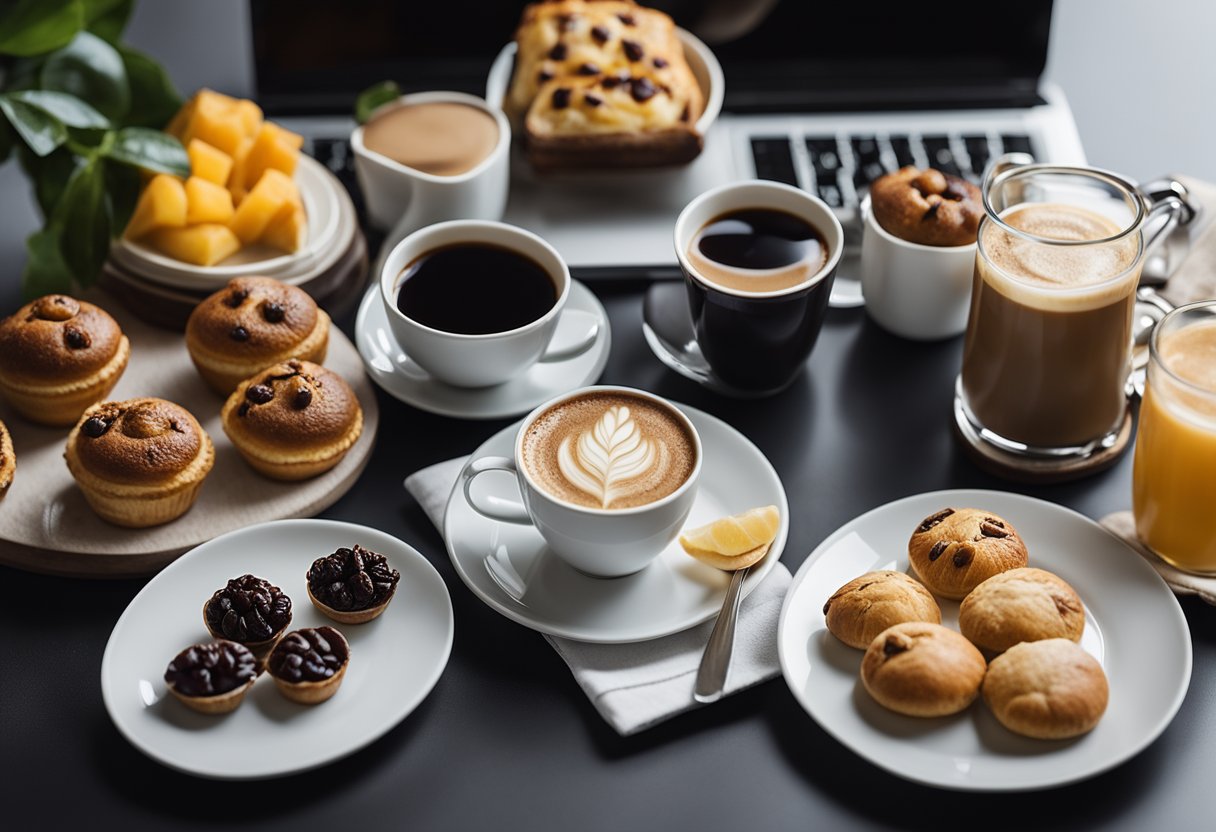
(1021, 605)
(865, 606)
(139, 462)
(250, 324)
(8, 460)
(922, 669)
(308, 665)
(954, 550)
(1049, 690)
(927, 207)
(58, 355)
(212, 678)
(294, 420)
(352, 586)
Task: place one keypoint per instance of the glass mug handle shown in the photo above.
(586, 331)
(1171, 212)
(495, 508)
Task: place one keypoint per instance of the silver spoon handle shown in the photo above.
(711, 676)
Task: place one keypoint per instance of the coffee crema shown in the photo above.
(757, 250)
(609, 450)
(442, 138)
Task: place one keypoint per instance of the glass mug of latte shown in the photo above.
(1174, 477)
(608, 476)
(1048, 346)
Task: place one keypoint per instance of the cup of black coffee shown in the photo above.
(759, 259)
(477, 303)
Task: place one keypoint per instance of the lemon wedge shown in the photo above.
(734, 542)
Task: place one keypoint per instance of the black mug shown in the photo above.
(756, 343)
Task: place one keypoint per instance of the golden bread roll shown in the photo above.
(922, 669)
(870, 603)
(1050, 689)
(954, 550)
(1024, 604)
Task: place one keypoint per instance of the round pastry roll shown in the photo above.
(58, 355)
(1024, 604)
(294, 420)
(250, 324)
(865, 606)
(8, 460)
(954, 550)
(1050, 689)
(139, 462)
(922, 669)
(927, 207)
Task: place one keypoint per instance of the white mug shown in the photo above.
(404, 199)
(606, 543)
(491, 358)
(915, 291)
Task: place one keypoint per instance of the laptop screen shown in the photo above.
(314, 56)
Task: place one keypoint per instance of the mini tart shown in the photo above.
(212, 678)
(308, 665)
(139, 462)
(293, 421)
(8, 460)
(250, 611)
(352, 586)
(250, 324)
(58, 355)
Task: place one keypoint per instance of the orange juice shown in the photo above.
(1174, 481)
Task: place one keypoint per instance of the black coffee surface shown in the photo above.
(475, 289)
(759, 238)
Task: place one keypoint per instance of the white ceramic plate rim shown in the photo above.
(406, 706)
(519, 614)
(1035, 778)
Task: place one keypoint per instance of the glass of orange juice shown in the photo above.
(1174, 478)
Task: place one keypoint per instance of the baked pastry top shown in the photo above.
(922, 669)
(8, 460)
(139, 442)
(292, 404)
(57, 339)
(1049, 689)
(927, 207)
(954, 550)
(253, 318)
(1024, 604)
(865, 606)
(603, 83)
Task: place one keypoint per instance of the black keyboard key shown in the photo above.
(1016, 143)
(825, 155)
(829, 190)
(867, 173)
(937, 149)
(902, 146)
(774, 160)
(865, 149)
(977, 149)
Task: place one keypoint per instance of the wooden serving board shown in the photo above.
(46, 525)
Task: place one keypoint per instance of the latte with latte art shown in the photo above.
(609, 450)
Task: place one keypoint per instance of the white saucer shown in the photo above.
(510, 568)
(1133, 626)
(395, 659)
(400, 377)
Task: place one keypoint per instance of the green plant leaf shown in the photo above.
(46, 271)
(82, 218)
(40, 130)
(93, 71)
(32, 27)
(49, 176)
(377, 95)
(107, 18)
(67, 108)
(154, 99)
(6, 141)
(149, 149)
(123, 184)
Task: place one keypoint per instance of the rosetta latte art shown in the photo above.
(613, 459)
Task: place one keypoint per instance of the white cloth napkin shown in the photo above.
(1124, 525)
(635, 686)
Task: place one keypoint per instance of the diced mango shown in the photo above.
(207, 162)
(177, 124)
(250, 116)
(269, 150)
(202, 245)
(294, 139)
(288, 230)
(161, 205)
(236, 177)
(215, 120)
(207, 202)
(274, 190)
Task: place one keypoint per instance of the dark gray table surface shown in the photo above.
(507, 739)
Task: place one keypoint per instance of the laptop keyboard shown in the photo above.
(336, 155)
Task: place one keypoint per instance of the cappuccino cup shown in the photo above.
(607, 475)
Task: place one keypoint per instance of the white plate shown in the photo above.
(400, 377)
(1133, 626)
(395, 659)
(509, 567)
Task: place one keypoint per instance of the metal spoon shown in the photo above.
(715, 661)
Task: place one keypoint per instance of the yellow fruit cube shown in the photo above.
(207, 202)
(250, 116)
(215, 121)
(269, 150)
(236, 176)
(294, 139)
(206, 162)
(274, 190)
(177, 124)
(733, 538)
(202, 245)
(288, 230)
(161, 205)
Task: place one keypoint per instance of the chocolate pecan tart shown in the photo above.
(352, 586)
(954, 550)
(212, 678)
(249, 610)
(308, 665)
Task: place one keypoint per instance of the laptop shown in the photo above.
(827, 97)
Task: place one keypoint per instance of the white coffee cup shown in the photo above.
(915, 291)
(606, 543)
(402, 198)
(496, 357)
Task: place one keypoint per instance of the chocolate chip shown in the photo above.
(238, 333)
(660, 63)
(235, 298)
(561, 98)
(259, 393)
(962, 557)
(627, 19)
(991, 527)
(588, 69)
(592, 100)
(643, 89)
(274, 313)
(243, 410)
(955, 190)
(600, 33)
(936, 552)
(893, 646)
(543, 76)
(633, 49)
(685, 114)
(558, 52)
(94, 427)
(76, 338)
(303, 398)
(931, 211)
(933, 519)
